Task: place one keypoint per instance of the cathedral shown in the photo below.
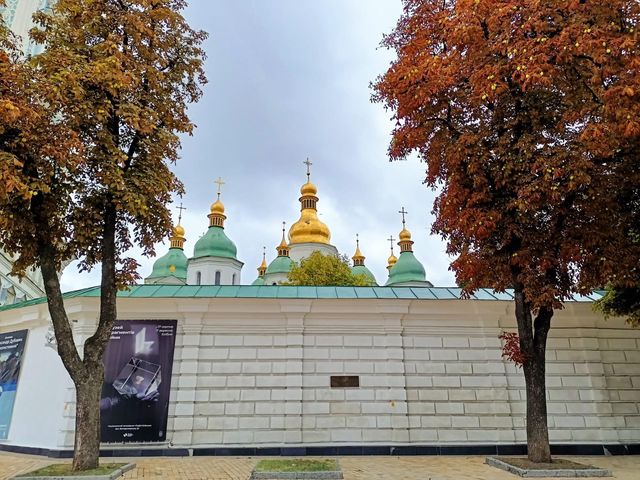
(215, 256)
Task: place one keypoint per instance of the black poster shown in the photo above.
(137, 379)
(11, 349)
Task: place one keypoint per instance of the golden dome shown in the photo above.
(391, 261)
(358, 257)
(217, 207)
(405, 235)
(308, 189)
(309, 228)
(177, 237)
(178, 231)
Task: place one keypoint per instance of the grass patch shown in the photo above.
(297, 465)
(64, 470)
(556, 464)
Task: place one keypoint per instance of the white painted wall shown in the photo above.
(298, 251)
(230, 271)
(255, 372)
(37, 419)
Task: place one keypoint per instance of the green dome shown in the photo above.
(407, 269)
(173, 264)
(280, 265)
(215, 243)
(362, 270)
(258, 281)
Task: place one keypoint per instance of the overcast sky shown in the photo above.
(290, 79)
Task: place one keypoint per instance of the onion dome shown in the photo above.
(408, 268)
(215, 243)
(282, 263)
(174, 262)
(309, 228)
(263, 266)
(262, 269)
(391, 261)
(358, 264)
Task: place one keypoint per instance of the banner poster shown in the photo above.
(11, 349)
(137, 378)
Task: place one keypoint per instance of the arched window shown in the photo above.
(217, 281)
(198, 278)
(233, 279)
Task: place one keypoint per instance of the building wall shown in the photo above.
(256, 372)
(299, 251)
(206, 267)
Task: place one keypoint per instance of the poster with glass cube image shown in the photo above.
(138, 378)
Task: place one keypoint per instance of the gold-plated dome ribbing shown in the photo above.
(309, 228)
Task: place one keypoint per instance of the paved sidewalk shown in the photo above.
(354, 468)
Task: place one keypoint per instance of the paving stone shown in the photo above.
(354, 468)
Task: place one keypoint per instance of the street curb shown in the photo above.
(112, 476)
(565, 473)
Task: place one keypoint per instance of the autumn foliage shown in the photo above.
(511, 348)
(527, 114)
(88, 131)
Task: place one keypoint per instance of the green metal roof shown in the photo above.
(280, 291)
(215, 243)
(280, 264)
(171, 264)
(407, 269)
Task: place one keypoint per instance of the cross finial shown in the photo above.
(264, 253)
(220, 183)
(403, 212)
(391, 240)
(181, 208)
(357, 240)
(284, 227)
(308, 163)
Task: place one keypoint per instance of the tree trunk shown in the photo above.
(87, 438)
(538, 448)
(533, 344)
(87, 372)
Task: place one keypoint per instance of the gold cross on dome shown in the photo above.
(308, 163)
(403, 212)
(357, 240)
(220, 183)
(181, 208)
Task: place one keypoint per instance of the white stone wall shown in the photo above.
(299, 251)
(229, 268)
(256, 372)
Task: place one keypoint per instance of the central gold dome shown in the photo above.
(309, 228)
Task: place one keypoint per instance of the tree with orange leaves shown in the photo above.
(527, 115)
(88, 130)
